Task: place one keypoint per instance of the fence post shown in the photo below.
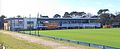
(38, 32)
(103, 47)
(89, 44)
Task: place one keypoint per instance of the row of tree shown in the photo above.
(106, 18)
(69, 15)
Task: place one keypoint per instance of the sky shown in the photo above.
(12, 8)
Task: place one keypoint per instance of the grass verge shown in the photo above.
(14, 43)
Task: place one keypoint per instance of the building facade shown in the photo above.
(70, 22)
(52, 23)
(22, 23)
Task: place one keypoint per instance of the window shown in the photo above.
(30, 24)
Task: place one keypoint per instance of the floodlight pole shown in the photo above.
(18, 25)
(14, 24)
(38, 23)
(23, 25)
(30, 24)
(36, 27)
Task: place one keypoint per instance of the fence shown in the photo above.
(72, 41)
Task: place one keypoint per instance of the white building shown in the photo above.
(37, 23)
(30, 21)
(22, 23)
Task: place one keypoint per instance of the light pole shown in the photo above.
(38, 23)
(30, 24)
(23, 25)
(14, 24)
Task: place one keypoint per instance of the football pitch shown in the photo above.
(108, 37)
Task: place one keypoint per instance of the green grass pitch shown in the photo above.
(108, 37)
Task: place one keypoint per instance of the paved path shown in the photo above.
(49, 43)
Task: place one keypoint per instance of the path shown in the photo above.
(52, 44)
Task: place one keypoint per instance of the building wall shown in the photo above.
(16, 23)
(34, 23)
(34, 20)
(73, 22)
(82, 25)
(6, 26)
(21, 23)
(1, 23)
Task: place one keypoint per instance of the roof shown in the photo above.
(67, 18)
(13, 18)
(44, 16)
(54, 18)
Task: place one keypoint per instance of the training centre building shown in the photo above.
(52, 23)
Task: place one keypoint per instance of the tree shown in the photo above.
(105, 10)
(105, 18)
(67, 15)
(81, 13)
(117, 18)
(2, 21)
(3, 16)
(102, 11)
(117, 15)
(56, 16)
(112, 16)
(74, 13)
(18, 16)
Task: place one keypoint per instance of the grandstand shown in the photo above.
(54, 23)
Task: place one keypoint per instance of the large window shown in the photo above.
(17, 22)
(93, 21)
(30, 24)
(84, 21)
